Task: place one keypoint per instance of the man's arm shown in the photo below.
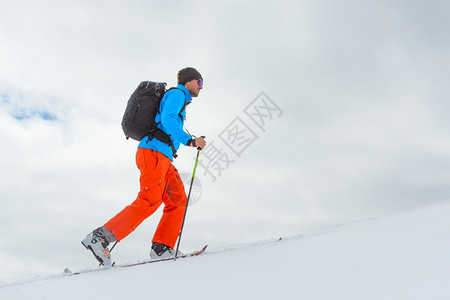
(170, 118)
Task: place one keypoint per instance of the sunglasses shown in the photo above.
(200, 82)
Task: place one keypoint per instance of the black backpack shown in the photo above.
(139, 118)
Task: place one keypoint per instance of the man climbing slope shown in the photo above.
(159, 179)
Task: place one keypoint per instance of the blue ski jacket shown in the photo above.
(171, 115)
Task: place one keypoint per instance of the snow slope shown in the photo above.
(406, 256)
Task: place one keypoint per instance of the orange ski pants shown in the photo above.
(159, 183)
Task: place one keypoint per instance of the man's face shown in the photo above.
(194, 87)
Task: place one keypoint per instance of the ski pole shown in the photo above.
(113, 247)
(110, 251)
(187, 204)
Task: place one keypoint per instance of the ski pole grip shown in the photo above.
(198, 148)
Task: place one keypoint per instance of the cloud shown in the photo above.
(23, 107)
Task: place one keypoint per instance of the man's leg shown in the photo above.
(174, 200)
(153, 168)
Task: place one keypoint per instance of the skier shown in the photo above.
(159, 179)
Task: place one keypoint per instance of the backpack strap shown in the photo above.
(175, 155)
(185, 103)
(162, 135)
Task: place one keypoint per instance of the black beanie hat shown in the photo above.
(188, 74)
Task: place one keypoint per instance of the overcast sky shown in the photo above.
(317, 113)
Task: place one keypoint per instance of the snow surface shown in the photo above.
(406, 256)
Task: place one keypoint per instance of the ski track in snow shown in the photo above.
(405, 256)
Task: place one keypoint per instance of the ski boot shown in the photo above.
(160, 251)
(98, 244)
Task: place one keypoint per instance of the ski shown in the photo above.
(195, 253)
(69, 272)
